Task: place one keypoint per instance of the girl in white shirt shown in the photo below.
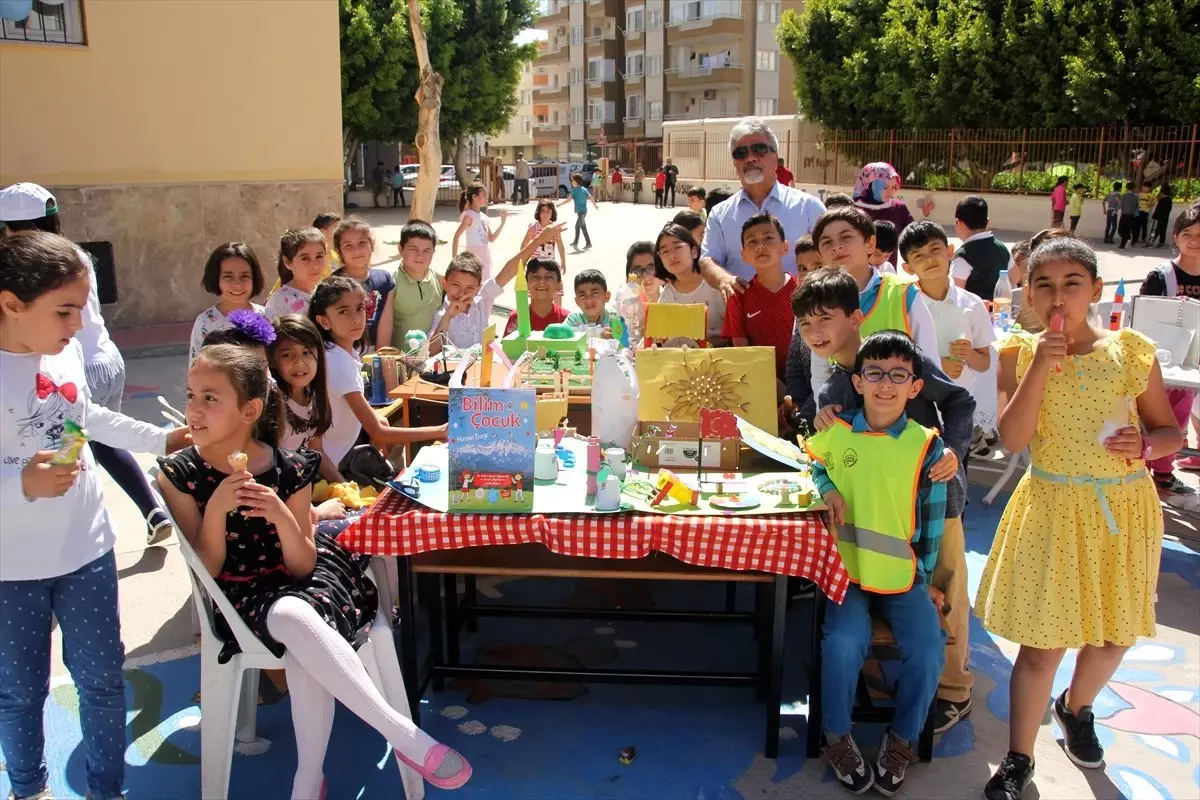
(338, 309)
(473, 222)
(302, 263)
(233, 274)
(56, 540)
(677, 265)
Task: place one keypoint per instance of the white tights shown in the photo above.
(320, 667)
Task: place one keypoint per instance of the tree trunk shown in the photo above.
(429, 109)
(460, 161)
(349, 153)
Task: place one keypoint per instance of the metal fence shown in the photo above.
(629, 154)
(1020, 160)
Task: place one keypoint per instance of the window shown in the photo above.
(526, 96)
(766, 107)
(577, 34)
(576, 115)
(634, 63)
(634, 106)
(526, 125)
(654, 66)
(653, 20)
(635, 19)
(768, 60)
(60, 22)
(768, 12)
(595, 111)
(600, 69)
(576, 75)
(656, 109)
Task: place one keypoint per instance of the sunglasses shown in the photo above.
(897, 375)
(759, 149)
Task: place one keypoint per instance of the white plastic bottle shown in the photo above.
(631, 305)
(1002, 302)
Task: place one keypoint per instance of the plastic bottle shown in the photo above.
(631, 305)
(1002, 302)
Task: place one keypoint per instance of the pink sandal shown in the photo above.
(444, 768)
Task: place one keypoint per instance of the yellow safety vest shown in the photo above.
(890, 311)
(877, 474)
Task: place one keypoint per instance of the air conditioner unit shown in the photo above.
(710, 94)
(562, 30)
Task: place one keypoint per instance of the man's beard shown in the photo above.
(753, 175)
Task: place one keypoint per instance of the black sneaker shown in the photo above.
(1079, 734)
(1011, 777)
(890, 765)
(1169, 484)
(947, 714)
(848, 764)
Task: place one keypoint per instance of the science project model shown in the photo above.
(557, 337)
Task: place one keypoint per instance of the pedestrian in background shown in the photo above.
(1075, 206)
(1112, 212)
(1058, 202)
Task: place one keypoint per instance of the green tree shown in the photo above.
(470, 44)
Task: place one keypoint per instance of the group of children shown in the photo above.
(1133, 216)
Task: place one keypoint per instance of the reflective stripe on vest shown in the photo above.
(878, 475)
(890, 310)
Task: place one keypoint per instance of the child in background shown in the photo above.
(56, 537)
(808, 257)
(546, 214)
(469, 298)
(473, 221)
(1128, 223)
(297, 362)
(326, 222)
(845, 237)
(544, 279)
(835, 199)
(885, 247)
(693, 221)
(980, 257)
(580, 197)
(233, 274)
(339, 310)
(1179, 277)
(762, 315)
(1075, 205)
(592, 296)
(419, 289)
(639, 266)
(355, 244)
(301, 267)
(1161, 216)
(1058, 202)
(715, 197)
(1112, 212)
(677, 265)
(304, 596)
(695, 201)
(660, 184)
(829, 321)
(880, 483)
(1074, 563)
(1145, 204)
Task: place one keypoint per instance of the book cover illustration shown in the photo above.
(491, 444)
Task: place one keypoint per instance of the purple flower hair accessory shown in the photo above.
(253, 324)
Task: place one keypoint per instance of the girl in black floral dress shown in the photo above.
(302, 594)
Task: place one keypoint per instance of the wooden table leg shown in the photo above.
(408, 636)
(778, 608)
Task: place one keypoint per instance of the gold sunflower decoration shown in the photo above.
(701, 384)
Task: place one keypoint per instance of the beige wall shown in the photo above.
(177, 91)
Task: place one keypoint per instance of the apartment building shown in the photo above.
(518, 137)
(611, 71)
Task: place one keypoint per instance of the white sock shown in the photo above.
(330, 661)
(312, 717)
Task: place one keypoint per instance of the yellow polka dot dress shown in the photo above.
(1062, 572)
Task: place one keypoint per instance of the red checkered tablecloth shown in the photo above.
(792, 544)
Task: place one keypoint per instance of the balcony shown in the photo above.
(700, 114)
(553, 16)
(632, 35)
(695, 76)
(633, 122)
(550, 94)
(632, 78)
(718, 23)
(550, 131)
(554, 53)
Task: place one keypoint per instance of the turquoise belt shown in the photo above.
(1099, 483)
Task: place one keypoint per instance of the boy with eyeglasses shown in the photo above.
(829, 318)
(872, 467)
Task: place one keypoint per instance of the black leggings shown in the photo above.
(128, 475)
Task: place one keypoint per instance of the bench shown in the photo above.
(536, 561)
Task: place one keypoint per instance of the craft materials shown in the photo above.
(73, 440)
(666, 321)
(593, 463)
(558, 435)
(608, 494)
(522, 291)
(1118, 307)
(735, 502)
(545, 462)
(485, 368)
(675, 384)
(670, 485)
(379, 395)
(238, 461)
(614, 457)
(429, 474)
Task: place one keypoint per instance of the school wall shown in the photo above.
(178, 126)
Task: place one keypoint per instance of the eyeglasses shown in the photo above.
(759, 149)
(897, 375)
(638, 272)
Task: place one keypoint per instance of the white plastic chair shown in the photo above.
(229, 692)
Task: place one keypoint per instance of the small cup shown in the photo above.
(1164, 357)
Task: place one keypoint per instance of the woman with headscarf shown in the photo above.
(874, 193)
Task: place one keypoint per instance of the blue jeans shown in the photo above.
(847, 637)
(581, 225)
(85, 604)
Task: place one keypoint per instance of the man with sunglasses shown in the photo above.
(755, 152)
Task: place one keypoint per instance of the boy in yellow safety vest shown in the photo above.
(845, 238)
(872, 469)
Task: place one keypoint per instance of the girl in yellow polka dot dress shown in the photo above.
(1075, 558)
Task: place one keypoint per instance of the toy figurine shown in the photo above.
(669, 485)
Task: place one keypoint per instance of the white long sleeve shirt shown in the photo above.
(48, 537)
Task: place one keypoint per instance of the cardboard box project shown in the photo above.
(653, 449)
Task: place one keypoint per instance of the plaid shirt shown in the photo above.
(931, 497)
